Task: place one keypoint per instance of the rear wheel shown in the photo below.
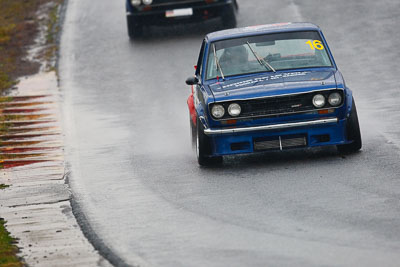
(353, 133)
(203, 147)
(229, 18)
(135, 29)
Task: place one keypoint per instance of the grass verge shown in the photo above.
(8, 248)
(3, 186)
(19, 22)
(17, 31)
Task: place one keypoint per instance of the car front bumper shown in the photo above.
(321, 132)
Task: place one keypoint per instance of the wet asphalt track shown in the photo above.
(137, 181)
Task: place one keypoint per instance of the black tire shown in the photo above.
(236, 5)
(353, 133)
(229, 18)
(135, 29)
(203, 147)
(192, 133)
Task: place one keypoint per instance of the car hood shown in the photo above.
(271, 84)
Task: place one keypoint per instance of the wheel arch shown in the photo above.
(349, 101)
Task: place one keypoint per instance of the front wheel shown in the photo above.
(203, 147)
(353, 133)
(135, 29)
(193, 134)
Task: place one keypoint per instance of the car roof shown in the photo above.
(261, 29)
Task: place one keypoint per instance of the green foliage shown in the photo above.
(8, 249)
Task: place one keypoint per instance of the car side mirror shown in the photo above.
(192, 80)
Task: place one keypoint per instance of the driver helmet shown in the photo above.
(235, 55)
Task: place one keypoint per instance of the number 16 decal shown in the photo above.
(316, 44)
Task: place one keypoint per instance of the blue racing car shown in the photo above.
(269, 87)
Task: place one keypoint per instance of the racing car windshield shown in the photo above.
(272, 52)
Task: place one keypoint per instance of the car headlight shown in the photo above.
(318, 101)
(335, 99)
(234, 109)
(218, 111)
(147, 2)
(135, 2)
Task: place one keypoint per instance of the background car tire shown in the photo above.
(203, 147)
(236, 5)
(353, 133)
(229, 18)
(135, 30)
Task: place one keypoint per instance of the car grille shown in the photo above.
(279, 143)
(279, 105)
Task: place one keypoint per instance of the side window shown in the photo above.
(199, 69)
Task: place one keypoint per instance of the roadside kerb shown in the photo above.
(37, 205)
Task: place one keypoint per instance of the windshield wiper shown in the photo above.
(217, 63)
(260, 60)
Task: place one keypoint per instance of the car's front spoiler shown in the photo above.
(209, 131)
